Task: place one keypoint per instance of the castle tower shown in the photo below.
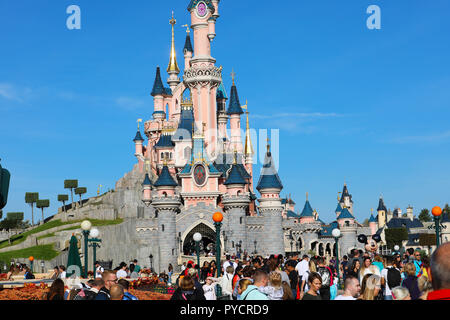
(158, 93)
(188, 51)
(235, 111)
(173, 69)
(167, 204)
(235, 204)
(346, 218)
(373, 225)
(338, 210)
(307, 215)
(138, 142)
(410, 213)
(222, 117)
(382, 211)
(203, 77)
(270, 186)
(346, 199)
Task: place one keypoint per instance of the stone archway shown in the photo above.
(208, 243)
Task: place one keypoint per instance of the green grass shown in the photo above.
(45, 252)
(52, 224)
(46, 236)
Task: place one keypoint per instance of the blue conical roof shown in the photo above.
(269, 177)
(235, 176)
(381, 205)
(165, 179)
(307, 210)
(188, 44)
(147, 181)
(234, 107)
(138, 137)
(158, 87)
(338, 208)
(345, 214)
(372, 219)
(221, 92)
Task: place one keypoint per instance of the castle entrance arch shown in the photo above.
(207, 245)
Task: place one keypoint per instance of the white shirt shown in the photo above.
(98, 272)
(121, 274)
(62, 275)
(342, 297)
(210, 291)
(229, 263)
(302, 267)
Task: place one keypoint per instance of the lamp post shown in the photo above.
(86, 226)
(336, 234)
(31, 262)
(197, 239)
(95, 243)
(42, 266)
(437, 212)
(218, 218)
(151, 262)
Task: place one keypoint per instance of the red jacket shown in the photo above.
(439, 295)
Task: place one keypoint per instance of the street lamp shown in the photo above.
(197, 239)
(151, 262)
(95, 243)
(437, 211)
(42, 266)
(86, 226)
(31, 262)
(218, 218)
(336, 234)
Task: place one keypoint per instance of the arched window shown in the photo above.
(240, 220)
(187, 153)
(347, 223)
(162, 228)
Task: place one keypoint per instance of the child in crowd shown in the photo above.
(209, 288)
(274, 290)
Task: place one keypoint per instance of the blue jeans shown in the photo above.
(388, 298)
(294, 293)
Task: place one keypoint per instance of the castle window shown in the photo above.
(232, 244)
(162, 228)
(347, 223)
(240, 220)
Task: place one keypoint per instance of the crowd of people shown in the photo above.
(360, 276)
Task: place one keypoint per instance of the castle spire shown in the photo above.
(173, 65)
(248, 150)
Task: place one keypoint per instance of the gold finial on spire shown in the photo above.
(233, 75)
(173, 65)
(307, 196)
(248, 141)
(371, 211)
(138, 121)
(187, 28)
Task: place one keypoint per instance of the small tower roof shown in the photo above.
(147, 181)
(235, 176)
(165, 179)
(345, 193)
(138, 137)
(372, 219)
(234, 106)
(307, 210)
(381, 206)
(221, 92)
(269, 178)
(158, 88)
(345, 214)
(188, 43)
(165, 141)
(338, 208)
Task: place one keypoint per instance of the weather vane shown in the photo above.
(139, 121)
(233, 75)
(172, 21)
(187, 28)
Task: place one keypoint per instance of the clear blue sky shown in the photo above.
(369, 107)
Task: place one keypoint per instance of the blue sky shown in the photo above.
(368, 107)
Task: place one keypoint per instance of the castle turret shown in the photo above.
(248, 150)
(147, 190)
(346, 199)
(188, 51)
(235, 111)
(235, 204)
(307, 215)
(382, 211)
(346, 218)
(338, 210)
(158, 93)
(373, 225)
(270, 207)
(165, 185)
(222, 117)
(410, 213)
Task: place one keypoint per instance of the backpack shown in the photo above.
(325, 274)
(394, 278)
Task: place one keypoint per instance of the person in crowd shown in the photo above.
(247, 274)
(116, 292)
(242, 287)
(384, 277)
(371, 287)
(410, 282)
(228, 262)
(418, 264)
(212, 269)
(425, 286)
(193, 273)
(183, 267)
(400, 293)
(260, 279)
(237, 276)
(293, 276)
(227, 281)
(327, 278)
(28, 273)
(368, 268)
(55, 273)
(409, 256)
(354, 269)
(378, 262)
(56, 291)
(314, 283)
(256, 263)
(426, 270)
(287, 292)
(343, 267)
(137, 267)
(355, 255)
(133, 273)
(274, 290)
(98, 270)
(281, 268)
(204, 271)
(122, 272)
(62, 272)
(440, 273)
(187, 291)
(209, 288)
(109, 278)
(352, 289)
(126, 294)
(91, 292)
(170, 274)
(302, 267)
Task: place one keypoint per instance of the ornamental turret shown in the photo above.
(382, 211)
(235, 111)
(373, 225)
(307, 215)
(165, 185)
(248, 149)
(158, 93)
(188, 50)
(138, 141)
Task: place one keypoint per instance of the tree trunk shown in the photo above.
(71, 192)
(32, 215)
(80, 202)
(64, 206)
(42, 215)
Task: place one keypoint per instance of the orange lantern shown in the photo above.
(217, 217)
(436, 211)
(31, 258)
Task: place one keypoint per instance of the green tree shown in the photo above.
(71, 184)
(395, 236)
(425, 216)
(13, 221)
(63, 198)
(42, 204)
(31, 198)
(80, 191)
